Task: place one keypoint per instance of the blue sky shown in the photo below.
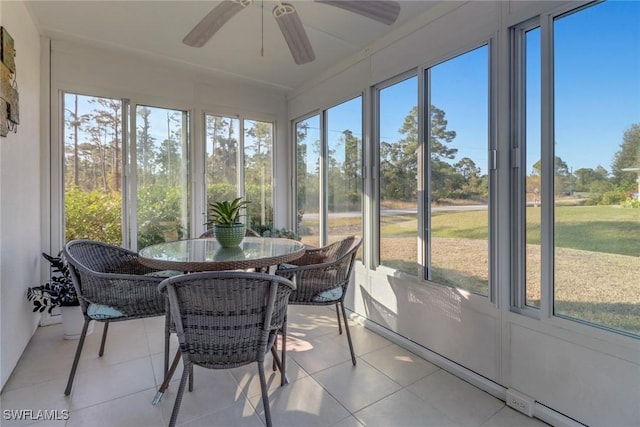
(597, 85)
(597, 90)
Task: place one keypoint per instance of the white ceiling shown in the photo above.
(158, 27)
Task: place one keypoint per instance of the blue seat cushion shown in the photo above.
(103, 312)
(329, 295)
(164, 273)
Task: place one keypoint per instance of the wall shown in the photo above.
(20, 242)
(580, 372)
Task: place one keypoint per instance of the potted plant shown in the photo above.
(225, 218)
(59, 292)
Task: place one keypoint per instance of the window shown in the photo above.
(258, 146)
(344, 169)
(101, 203)
(398, 192)
(161, 190)
(458, 171)
(329, 174)
(93, 168)
(307, 134)
(222, 166)
(533, 183)
(579, 165)
(592, 165)
(240, 164)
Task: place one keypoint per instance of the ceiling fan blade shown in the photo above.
(214, 20)
(294, 33)
(385, 11)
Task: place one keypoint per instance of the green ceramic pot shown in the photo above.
(229, 236)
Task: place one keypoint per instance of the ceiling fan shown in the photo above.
(285, 14)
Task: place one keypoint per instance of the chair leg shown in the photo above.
(167, 378)
(176, 405)
(167, 338)
(283, 372)
(338, 316)
(265, 393)
(190, 378)
(105, 329)
(346, 327)
(274, 350)
(76, 359)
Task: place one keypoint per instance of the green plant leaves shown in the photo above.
(227, 213)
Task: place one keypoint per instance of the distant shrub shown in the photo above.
(94, 215)
(615, 197)
(632, 203)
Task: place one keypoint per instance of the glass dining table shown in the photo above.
(206, 254)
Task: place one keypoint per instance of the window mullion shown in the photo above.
(547, 173)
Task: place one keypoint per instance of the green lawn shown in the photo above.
(607, 229)
(597, 255)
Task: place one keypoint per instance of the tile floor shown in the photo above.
(389, 386)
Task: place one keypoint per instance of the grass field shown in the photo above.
(597, 257)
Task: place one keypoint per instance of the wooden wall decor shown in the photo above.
(9, 112)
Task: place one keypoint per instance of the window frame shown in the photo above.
(375, 164)
(518, 168)
(493, 264)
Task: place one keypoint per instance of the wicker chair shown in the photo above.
(112, 286)
(226, 319)
(322, 276)
(212, 232)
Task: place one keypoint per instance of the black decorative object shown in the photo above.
(59, 291)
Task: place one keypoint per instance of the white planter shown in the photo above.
(72, 322)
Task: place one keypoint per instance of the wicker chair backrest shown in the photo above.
(109, 275)
(227, 319)
(324, 282)
(329, 253)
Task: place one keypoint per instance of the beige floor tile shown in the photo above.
(36, 364)
(249, 380)
(111, 381)
(364, 340)
(134, 410)
(356, 387)
(157, 360)
(117, 389)
(240, 414)
(213, 390)
(311, 321)
(399, 364)
(302, 403)
(316, 353)
(126, 340)
(508, 417)
(462, 402)
(47, 396)
(350, 421)
(403, 409)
